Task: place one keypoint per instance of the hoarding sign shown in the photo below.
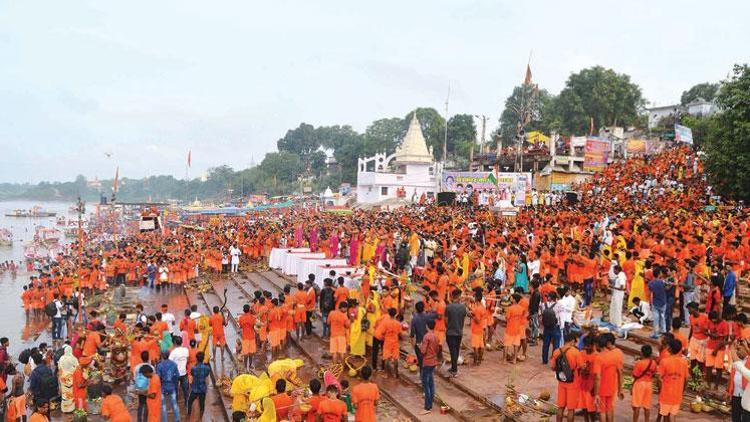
(596, 154)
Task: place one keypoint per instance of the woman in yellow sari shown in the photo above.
(356, 335)
(204, 328)
(637, 286)
(373, 314)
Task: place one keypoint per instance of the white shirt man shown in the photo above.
(565, 307)
(534, 266)
(180, 355)
(235, 253)
(168, 317)
(618, 295)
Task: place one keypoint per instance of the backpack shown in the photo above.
(563, 372)
(50, 309)
(549, 318)
(141, 382)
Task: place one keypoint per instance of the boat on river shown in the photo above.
(34, 212)
(47, 235)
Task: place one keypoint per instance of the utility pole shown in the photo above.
(445, 136)
(481, 142)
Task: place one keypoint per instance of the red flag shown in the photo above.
(116, 184)
(190, 154)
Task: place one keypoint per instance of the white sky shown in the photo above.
(149, 80)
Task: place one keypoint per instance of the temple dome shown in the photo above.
(413, 149)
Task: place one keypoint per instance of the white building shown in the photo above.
(657, 113)
(411, 170)
(698, 107)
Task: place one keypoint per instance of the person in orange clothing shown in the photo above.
(611, 361)
(390, 330)
(79, 388)
(717, 330)
(247, 325)
(342, 292)
(568, 391)
(438, 306)
(331, 409)
(299, 302)
(187, 327)
(477, 312)
(276, 325)
(365, 397)
(590, 379)
(286, 408)
(218, 322)
(698, 336)
(153, 394)
(676, 326)
(642, 391)
(673, 372)
(314, 400)
(113, 408)
(41, 414)
(514, 323)
(339, 324)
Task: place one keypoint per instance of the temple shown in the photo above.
(408, 173)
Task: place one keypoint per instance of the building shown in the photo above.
(655, 114)
(408, 173)
(698, 107)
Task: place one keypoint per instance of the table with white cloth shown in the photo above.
(278, 256)
(291, 261)
(308, 266)
(322, 272)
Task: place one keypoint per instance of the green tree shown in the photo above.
(728, 144)
(610, 98)
(462, 132)
(280, 168)
(384, 135)
(706, 90)
(301, 141)
(526, 99)
(433, 128)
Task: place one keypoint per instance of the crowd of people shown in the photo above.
(644, 244)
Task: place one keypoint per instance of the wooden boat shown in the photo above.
(35, 212)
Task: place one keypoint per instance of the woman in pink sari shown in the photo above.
(333, 245)
(298, 233)
(354, 244)
(314, 239)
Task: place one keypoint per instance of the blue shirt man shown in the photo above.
(658, 293)
(168, 374)
(730, 283)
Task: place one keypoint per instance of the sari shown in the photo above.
(67, 366)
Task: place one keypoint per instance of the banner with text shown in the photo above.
(683, 134)
(506, 185)
(596, 154)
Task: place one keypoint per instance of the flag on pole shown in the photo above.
(527, 80)
(494, 175)
(116, 184)
(591, 126)
(190, 154)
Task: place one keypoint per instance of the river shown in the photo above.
(12, 319)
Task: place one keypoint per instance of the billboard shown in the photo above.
(596, 154)
(507, 185)
(636, 146)
(683, 134)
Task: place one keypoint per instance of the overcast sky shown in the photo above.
(146, 81)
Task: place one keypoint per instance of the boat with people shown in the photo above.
(34, 212)
(47, 235)
(6, 237)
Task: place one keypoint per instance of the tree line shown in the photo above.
(311, 158)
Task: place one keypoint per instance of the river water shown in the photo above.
(13, 322)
